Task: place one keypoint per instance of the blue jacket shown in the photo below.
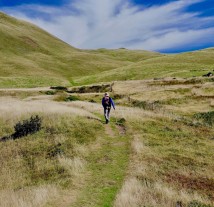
(111, 103)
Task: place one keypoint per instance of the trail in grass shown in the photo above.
(109, 131)
(107, 167)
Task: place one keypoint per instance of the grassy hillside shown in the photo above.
(126, 55)
(177, 65)
(30, 57)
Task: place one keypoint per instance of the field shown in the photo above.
(156, 151)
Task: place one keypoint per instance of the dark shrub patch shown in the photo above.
(28, 126)
(71, 98)
(208, 117)
(61, 88)
(50, 92)
(91, 89)
(121, 121)
(197, 204)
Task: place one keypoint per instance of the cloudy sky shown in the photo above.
(158, 25)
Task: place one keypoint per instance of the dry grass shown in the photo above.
(29, 197)
(130, 195)
(138, 190)
(33, 161)
(160, 142)
(134, 193)
(12, 107)
(75, 166)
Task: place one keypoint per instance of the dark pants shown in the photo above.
(107, 113)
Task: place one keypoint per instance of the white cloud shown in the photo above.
(119, 23)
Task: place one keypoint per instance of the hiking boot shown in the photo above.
(107, 121)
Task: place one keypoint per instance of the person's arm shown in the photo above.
(112, 103)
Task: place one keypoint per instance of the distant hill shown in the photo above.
(29, 56)
(184, 65)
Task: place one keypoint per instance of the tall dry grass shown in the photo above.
(28, 197)
(75, 166)
(138, 190)
(12, 107)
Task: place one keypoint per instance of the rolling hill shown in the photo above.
(183, 65)
(29, 56)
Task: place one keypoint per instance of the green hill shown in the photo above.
(31, 57)
(177, 65)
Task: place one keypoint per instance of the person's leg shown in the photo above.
(108, 113)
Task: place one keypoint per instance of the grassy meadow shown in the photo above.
(155, 151)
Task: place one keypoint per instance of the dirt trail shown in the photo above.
(25, 89)
(109, 131)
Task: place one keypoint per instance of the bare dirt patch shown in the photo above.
(121, 129)
(109, 131)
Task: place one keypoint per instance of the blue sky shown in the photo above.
(167, 26)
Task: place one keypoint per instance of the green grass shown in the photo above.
(107, 167)
(183, 65)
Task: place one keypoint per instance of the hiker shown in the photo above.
(107, 102)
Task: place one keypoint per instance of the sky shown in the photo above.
(168, 26)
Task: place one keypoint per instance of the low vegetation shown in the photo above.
(153, 153)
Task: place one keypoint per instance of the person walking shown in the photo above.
(107, 102)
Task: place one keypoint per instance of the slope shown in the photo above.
(177, 65)
(30, 57)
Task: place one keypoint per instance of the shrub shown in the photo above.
(121, 122)
(28, 126)
(50, 92)
(71, 98)
(197, 204)
(147, 105)
(207, 117)
(59, 88)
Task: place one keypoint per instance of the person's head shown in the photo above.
(106, 95)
